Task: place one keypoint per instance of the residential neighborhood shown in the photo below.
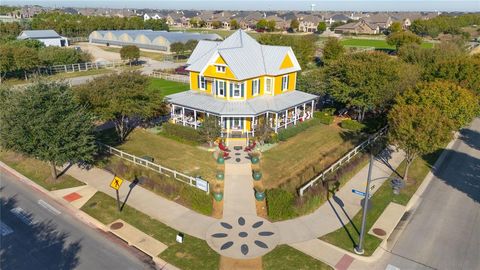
(240, 135)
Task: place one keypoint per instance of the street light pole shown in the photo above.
(359, 248)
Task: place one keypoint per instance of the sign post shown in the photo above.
(116, 184)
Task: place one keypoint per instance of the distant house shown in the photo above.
(308, 23)
(153, 16)
(337, 18)
(383, 21)
(47, 37)
(360, 27)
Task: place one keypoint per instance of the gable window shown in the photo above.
(221, 69)
(255, 87)
(284, 82)
(202, 82)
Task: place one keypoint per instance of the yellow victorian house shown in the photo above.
(242, 82)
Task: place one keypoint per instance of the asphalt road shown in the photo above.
(444, 230)
(38, 233)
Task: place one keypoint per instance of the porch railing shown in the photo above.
(171, 77)
(342, 161)
(186, 179)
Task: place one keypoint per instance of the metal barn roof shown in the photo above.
(27, 34)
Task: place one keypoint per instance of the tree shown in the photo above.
(191, 44)
(332, 49)
(234, 24)
(395, 27)
(418, 130)
(336, 24)
(401, 38)
(210, 129)
(294, 24)
(43, 121)
(130, 53)
(25, 59)
(262, 24)
(303, 46)
(121, 98)
(271, 26)
(177, 47)
(312, 81)
(368, 81)
(456, 103)
(216, 24)
(51, 55)
(262, 130)
(321, 27)
(6, 61)
(156, 24)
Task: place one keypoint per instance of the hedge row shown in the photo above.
(352, 125)
(181, 133)
(287, 133)
(325, 116)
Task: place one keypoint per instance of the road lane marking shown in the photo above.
(4, 229)
(50, 208)
(23, 215)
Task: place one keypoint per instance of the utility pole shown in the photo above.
(359, 248)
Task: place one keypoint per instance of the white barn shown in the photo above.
(48, 37)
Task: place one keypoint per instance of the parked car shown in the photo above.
(181, 70)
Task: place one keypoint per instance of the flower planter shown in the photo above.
(220, 160)
(218, 196)
(255, 159)
(220, 176)
(257, 175)
(259, 195)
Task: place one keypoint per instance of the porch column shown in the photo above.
(286, 118)
(304, 111)
(267, 120)
(183, 115)
(195, 118)
(251, 126)
(172, 111)
(313, 105)
(276, 122)
(221, 126)
(295, 116)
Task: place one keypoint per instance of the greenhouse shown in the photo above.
(146, 39)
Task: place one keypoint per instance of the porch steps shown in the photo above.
(236, 142)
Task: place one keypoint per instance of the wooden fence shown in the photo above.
(81, 67)
(342, 161)
(171, 77)
(186, 179)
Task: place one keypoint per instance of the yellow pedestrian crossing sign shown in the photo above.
(116, 183)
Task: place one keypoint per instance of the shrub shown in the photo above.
(280, 204)
(181, 133)
(287, 133)
(324, 117)
(352, 125)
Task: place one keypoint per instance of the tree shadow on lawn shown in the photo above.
(34, 245)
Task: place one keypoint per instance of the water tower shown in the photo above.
(312, 7)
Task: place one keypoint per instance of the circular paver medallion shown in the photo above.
(242, 237)
(116, 225)
(379, 232)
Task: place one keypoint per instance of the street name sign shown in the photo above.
(358, 192)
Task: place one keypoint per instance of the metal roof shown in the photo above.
(244, 56)
(38, 34)
(171, 37)
(255, 106)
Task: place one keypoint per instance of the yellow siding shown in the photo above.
(248, 123)
(291, 83)
(220, 61)
(194, 80)
(287, 62)
(249, 87)
(209, 87)
(211, 71)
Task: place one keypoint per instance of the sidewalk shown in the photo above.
(170, 213)
(338, 210)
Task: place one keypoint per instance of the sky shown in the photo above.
(339, 5)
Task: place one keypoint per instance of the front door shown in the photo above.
(236, 124)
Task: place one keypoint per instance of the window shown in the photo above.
(268, 85)
(255, 87)
(284, 82)
(221, 69)
(202, 82)
(220, 88)
(236, 90)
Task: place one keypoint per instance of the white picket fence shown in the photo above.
(342, 161)
(171, 77)
(186, 179)
(82, 66)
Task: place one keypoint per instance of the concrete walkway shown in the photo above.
(342, 207)
(170, 213)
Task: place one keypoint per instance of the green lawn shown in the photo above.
(348, 236)
(297, 160)
(286, 257)
(189, 255)
(170, 153)
(167, 87)
(37, 171)
(378, 44)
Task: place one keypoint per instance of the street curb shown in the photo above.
(79, 214)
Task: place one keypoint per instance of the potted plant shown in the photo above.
(257, 175)
(220, 175)
(259, 193)
(217, 193)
